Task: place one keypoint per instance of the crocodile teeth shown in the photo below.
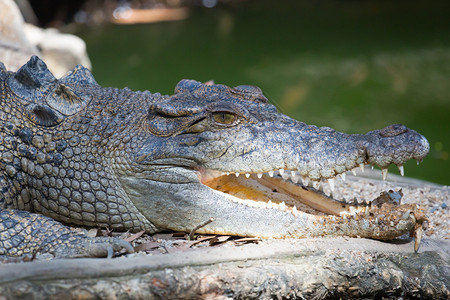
(281, 172)
(228, 173)
(331, 183)
(354, 172)
(316, 185)
(260, 175)
(366, 211)
(401, 170)
(418, 235)
(293, 173)
(343, 176)
(283, 206)
(269, 204)
(305, 181)
(295, 211)
(247, 175)
(361, 166)
(384, 173)
(295, 179)
(270, 173)
(285, 176)
(237, 174)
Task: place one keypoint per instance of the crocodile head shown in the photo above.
(128, 160)
(226, 153)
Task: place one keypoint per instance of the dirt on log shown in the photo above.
(306, 269)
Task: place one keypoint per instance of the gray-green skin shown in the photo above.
(103, 157)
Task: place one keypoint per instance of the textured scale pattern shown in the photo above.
(78, 153)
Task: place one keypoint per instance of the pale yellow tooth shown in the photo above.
(366, 211)
(294, 179)
(305, 180)
(247, 175)
(281, 172)
(269, 204)
(270, 173)
(283, 206)
(361, 166)
(293, 173)
(316, 185)
(343, 176)
(418, 235)
(354, 172)
(237, 174)
(295, 211)
(401, 170)
(260, 175)
(331, 183)
(228, 173)
(384, 173)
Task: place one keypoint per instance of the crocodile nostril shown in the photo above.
(393, 130)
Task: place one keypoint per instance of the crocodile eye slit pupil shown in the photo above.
(224, 117)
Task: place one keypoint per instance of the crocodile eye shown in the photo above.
(224, 117)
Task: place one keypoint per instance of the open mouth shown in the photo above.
(281, 190)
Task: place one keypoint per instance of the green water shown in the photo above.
(349, 65)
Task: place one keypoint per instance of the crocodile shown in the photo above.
(75, 153)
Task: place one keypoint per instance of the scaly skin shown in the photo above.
(102, 157)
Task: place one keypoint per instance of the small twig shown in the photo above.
(191, 235)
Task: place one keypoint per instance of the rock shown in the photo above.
(19, 41)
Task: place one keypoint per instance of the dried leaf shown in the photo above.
(163, 236)
(93, 232)
(247, 240)
(134, 236)
(219, 239)
(147, 246)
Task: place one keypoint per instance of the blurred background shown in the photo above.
(355, 66)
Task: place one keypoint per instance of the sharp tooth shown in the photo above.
(293, 173)
(260, 175)
(282, 206)
(366, 211)
(343, 176)
(418, 235)
(401, 170)
(294, 179)
(331, 183)
(354, 172)
(269, 204)
(285, 176)
(361, 166)
(270, 173)
(281, 172)
(237, 174)
(384, 173)
(247, 175)
(316, 185)
(228, 173)
(305, 180)
(294, 211)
